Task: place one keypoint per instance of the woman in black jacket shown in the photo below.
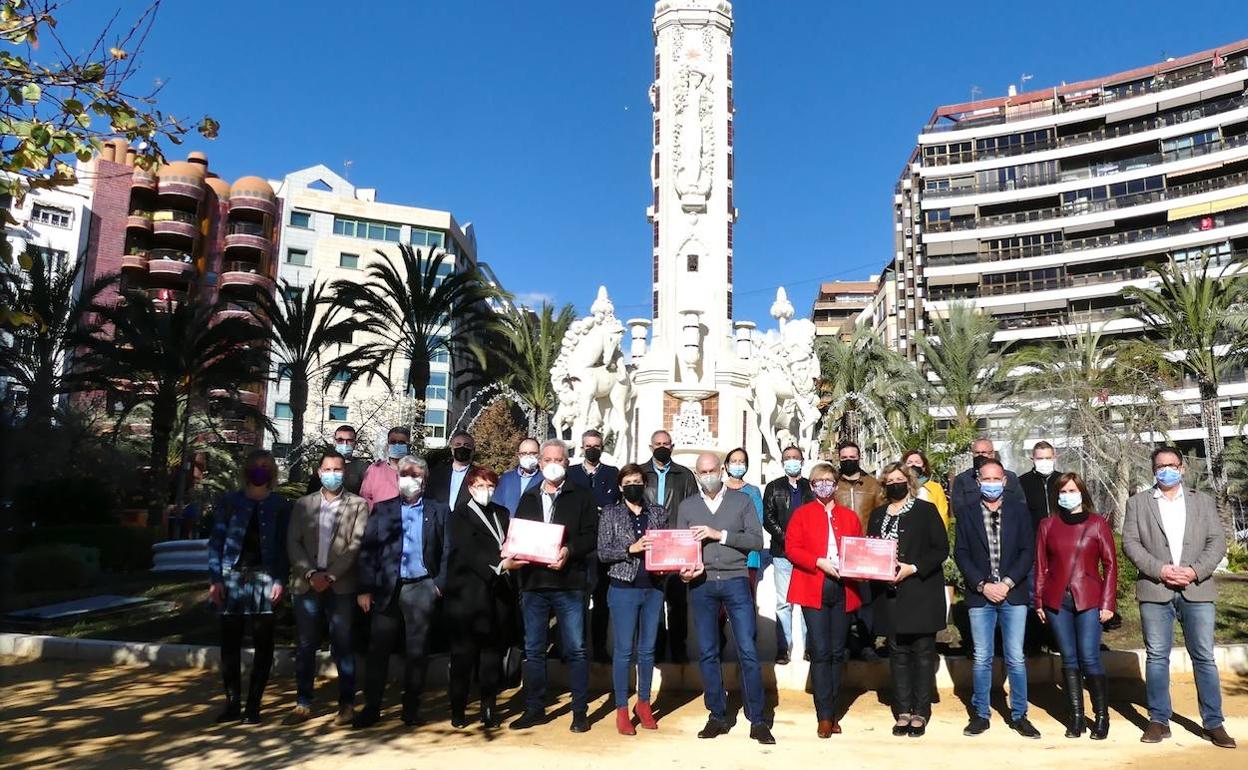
(912, 608)
(480, 599)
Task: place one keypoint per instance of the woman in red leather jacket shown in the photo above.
(1076, 586)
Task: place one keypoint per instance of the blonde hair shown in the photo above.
(822, 468)
(912, 478)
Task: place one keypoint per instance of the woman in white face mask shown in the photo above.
(736, 465)
(480, 598)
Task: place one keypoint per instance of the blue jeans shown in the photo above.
(569, 610)
(784, 611)
(338, 611)
(1012, 618)
(1196, 618)
(733, 596)
(635, 617)
(1078, 636)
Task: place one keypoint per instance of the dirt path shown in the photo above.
(68, 715)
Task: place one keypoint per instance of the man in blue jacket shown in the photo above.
(515, 482)
(994, 550)
(401, 576)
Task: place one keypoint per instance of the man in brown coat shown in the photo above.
(860, 492)
(323, 541)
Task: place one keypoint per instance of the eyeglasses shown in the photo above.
(1172, 466)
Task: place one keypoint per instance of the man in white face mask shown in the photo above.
(520, 479)
(557, 588)
(1038, 482)
(402, 575)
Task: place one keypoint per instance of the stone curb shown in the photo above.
(953, 672)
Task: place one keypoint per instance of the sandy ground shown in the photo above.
(69, 715)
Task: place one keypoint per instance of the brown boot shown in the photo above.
(1156, 732)
(645, 715)
(623, 722)
(827, 728)
(1219, 738)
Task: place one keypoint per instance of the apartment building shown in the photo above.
(838, 303)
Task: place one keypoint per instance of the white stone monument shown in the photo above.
(710, 381)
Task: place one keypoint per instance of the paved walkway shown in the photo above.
(70, 715)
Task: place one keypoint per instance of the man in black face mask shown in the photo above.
(603, 481)
(668, 484)
(446, 481)
(966, 484)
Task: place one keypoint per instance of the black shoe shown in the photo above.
(1025, 728)
(919, 731)
(458, 720)
(232, 712)
(977, 726)
(1098, 689)
(1073, 684)
(901, 731)
(251, 715)
(489, 718)
(760, 733)
(366, 718)
(580, 723)
(528, 719)
(714, 728)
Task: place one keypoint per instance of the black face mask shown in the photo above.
(979, 461)
(849, 467)
(897, 491)
(462, 454)
(634, 493)
(663, 454)
(593, 454)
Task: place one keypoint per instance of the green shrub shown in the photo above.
(52, 566)
(121, 549)
(1127, 574)
(1237, 558)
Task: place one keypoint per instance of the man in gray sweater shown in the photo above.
(727, 524)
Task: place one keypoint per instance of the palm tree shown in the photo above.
(160, 352)
(869, 388)
(306, 324)
(44, 295)
(532, 342)
(1198, 306)
(967, 364)
(415, 310)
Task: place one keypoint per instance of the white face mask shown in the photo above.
(481, 495)
(528, 463)
(554, 472)
(1045, 467)
(410, 486)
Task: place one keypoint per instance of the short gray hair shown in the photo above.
(413, 460)
(554, 442)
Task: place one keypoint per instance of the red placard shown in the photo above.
(868, 558)
(672, 550)
(534, 541)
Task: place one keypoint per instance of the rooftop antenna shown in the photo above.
(1022, 81)
(975, 92)
(346, 169)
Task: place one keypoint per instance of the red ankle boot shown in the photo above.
(645, 716)
(623, 723)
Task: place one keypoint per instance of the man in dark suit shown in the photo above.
(353, 471)
(520, 479)
(669, 484)
(995, 549)
(1038, 482)
(402, 575)
(446, 481)
(557, 588)
(966, 484)
(603, 482)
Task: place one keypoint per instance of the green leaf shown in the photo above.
(32, 93)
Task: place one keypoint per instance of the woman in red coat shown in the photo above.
(1073, 549)
(813, 544)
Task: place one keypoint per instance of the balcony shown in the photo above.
(183, 186)
(172, 263)
(1062, 317)
(143, 179)
(247, 235)
(174, 222)
(139, 220)
(134, 261)
(244, 276)
(243, 311)
(1103, 95)
(1092, 171)
(249, 200)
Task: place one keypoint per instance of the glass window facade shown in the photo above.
(297, 257)
(338, 413)
(283, 411)
(435, 423)
(439, 385)
(363, 228)
(351, 261)
(423, 237)
(301, 219)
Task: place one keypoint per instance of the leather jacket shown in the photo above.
(1070, 555)
(778, 509)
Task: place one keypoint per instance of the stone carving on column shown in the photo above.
(694, 134)
(591, 379)
(786, 370)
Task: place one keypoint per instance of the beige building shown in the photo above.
(838, 303)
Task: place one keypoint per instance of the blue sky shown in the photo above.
(530, 117)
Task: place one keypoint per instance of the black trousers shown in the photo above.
(671, 643)
(600, 615)
(828, 630)
(405, 621)
(912, 659)
(232, 655)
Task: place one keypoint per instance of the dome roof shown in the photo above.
(253, 185)
(219, 186)
(181, 168)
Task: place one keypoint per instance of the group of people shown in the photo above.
(405, 544)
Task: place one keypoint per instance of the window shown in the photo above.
(691, 263)
(297, 257)
(362, 228)
(338, 413)
(438, 385)
(423, 237)
(51, 215)
(342, 376)
(283, 412)
(435, 421)
(301, 219)
(349, 260)
(53, 259)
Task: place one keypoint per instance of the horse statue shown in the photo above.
(786, 402)
(591, 378)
